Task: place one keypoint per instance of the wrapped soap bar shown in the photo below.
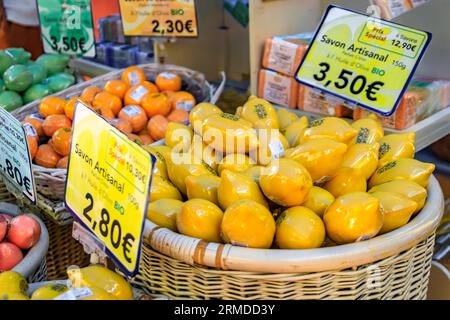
(283, 54)
(316, 101)
(277, 88)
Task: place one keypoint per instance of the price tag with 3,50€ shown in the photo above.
(365, 60)
(67, 27)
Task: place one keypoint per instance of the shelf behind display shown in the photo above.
(427, 131)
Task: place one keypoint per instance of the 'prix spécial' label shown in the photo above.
(362, 59)
(108, 186)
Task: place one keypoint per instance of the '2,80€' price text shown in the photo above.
(110, 230)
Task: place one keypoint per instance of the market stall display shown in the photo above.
(351, 186)
(64, 250)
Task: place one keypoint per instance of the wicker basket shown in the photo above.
(5, 195)
(50, 183)
(33, 266)
(395, 265)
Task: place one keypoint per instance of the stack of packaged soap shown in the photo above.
(424, 97)
(281, 58)
(389, 9)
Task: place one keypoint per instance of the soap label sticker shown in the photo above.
(169, 18)
(108, 185)
(15, 160)
(362, 59)
(67, 27)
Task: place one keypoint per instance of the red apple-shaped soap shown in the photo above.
(10, 256)
(3, 228)
(24, 231)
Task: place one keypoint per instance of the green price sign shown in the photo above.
(361, 59)
(66, 27)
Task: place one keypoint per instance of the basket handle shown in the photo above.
(215, 94)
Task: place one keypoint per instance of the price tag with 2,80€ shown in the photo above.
(108, 185)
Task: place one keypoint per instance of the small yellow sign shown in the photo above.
(364, 60)
(156, 18)
(108, 184)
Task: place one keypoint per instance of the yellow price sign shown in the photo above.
(169, 18)
(362, 59)
(108, 184)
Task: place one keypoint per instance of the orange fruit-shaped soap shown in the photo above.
(168, 81)
(133, 76)
(122, 124)
(134, 94)
(62, 163)
(36, 121)
(89, 93)
(146, 138)
(107, 100)
(32, 138)
(155, 103)
(182, 100)
(55, 122)
(179, 116)
(116, 87)
(46, 156)
(51, 105)
(107, 113)
(135, 115)
(157, 127)
(61, 141)
(69, 108)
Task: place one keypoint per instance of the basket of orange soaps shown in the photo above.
(263, 204)
(140, 101)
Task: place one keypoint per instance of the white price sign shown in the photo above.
(15, 161)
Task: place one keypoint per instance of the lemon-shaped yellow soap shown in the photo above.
(203, 187)
(406, 188)
(363, 157)
(286, 182)
(199, 218)
(163, 212)
(299, 228)
(346, 180)
(397, 209)
(318, 200)
(321, 157)
(235, 186)
(353, 217)
(247, 223)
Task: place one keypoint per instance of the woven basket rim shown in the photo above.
(229, 257)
